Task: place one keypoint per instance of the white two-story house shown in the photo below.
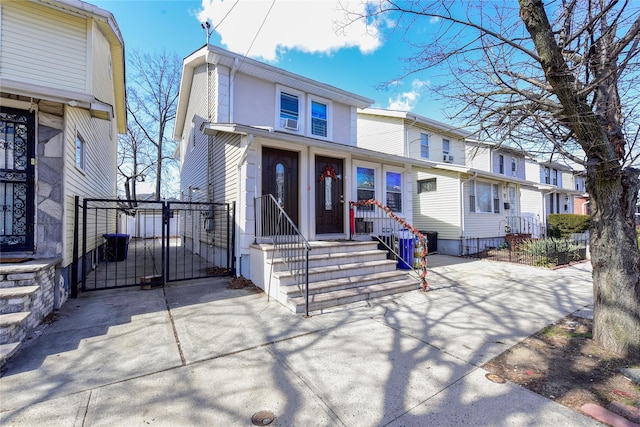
(247, 130)
(559, 186)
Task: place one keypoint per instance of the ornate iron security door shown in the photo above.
(17, 145)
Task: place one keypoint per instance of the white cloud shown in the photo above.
(307, 25)
(406, 101)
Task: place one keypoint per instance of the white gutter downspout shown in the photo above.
(232, 81)
(462, 211)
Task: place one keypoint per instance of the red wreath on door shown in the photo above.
(329, 172)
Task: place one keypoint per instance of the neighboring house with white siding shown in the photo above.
(62, 106)
(559, 187)
(462, 188)
(247, 129)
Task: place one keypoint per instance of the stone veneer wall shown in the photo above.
(50, 203)
(50, 295)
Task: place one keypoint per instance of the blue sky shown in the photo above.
(298, 36)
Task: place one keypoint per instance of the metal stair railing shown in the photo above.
(274, 226)
(524, 225)
(372, 218)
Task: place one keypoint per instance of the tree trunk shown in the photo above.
(612, 190)
(616, 264)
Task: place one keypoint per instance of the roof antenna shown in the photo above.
(206, 27)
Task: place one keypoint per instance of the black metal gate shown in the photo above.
(122, 243)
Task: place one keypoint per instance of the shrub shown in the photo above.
(564, 225)
(552, 251)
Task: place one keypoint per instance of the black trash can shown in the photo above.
(116, 247)
(432, 239)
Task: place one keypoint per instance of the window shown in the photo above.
(394, 191)
(424, 145)
(289, 111)
(80, 151)
(554, 176)
(547, 176)
(366, 186)
(446, 147)
(319, 119)
(427, 185)
(484, 197)
(514, 167)
(501, 162)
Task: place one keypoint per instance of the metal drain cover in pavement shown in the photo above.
(262, 418)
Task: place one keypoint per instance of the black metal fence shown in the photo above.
(522, 249)
(121, 243)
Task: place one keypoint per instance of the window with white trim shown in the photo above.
(501, 164)
(484, 197)
(289, 110)
(319, 119)
(80, 152)
(366, 186)
(446, 147)
(424, 145)
(393, 186)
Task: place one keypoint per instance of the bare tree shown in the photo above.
(134, 160)
(152, 100)
(563, 79)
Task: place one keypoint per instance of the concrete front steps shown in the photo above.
(340, 272)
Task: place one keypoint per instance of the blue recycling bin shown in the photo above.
(405, 247)
(116, 246)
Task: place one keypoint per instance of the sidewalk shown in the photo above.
(199, 354)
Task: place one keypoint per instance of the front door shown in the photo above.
(329, 196)
(280, 178)
(17, 159)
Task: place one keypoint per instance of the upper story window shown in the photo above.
(320, 113)
(424, 145)
(289, 111)
(446, 147)
(514, 166)
(554, 177)
(80, 152)
(547, 175)
(501, 162)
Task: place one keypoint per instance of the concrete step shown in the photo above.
(16, 299)
(325, 247)
(8, 350)
(13, 319)
(330, 272)
(347, 296)
(337, 258)
(346, 282)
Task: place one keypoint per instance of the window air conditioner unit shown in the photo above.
(447, 159)
(291, 124)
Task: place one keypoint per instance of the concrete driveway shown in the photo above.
(199, 354)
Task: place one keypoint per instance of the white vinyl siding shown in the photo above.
(102, 68)
(224, 167)
(383, 134)
(531, 203)
(43, 47)
(98, 179)
(437, 210)
(478, 157)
